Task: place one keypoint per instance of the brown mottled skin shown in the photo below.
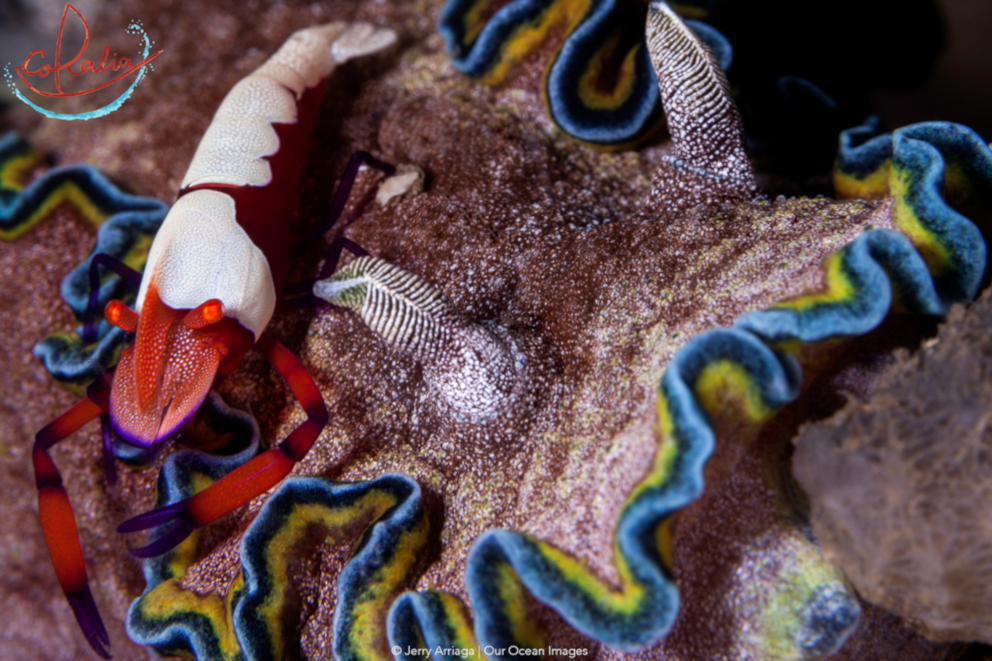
(521, 229)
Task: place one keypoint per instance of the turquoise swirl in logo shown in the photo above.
(134, 27)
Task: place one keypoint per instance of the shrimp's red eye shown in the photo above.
(120, 315)
(213, 311)
(207, 313)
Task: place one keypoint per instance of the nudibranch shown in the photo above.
(209, 289)
(579, 520)
(728, 380)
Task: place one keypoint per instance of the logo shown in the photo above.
(35, 68)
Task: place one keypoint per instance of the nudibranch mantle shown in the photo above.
(599, 86)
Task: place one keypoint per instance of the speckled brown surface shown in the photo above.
(521, 229)
(37, 623)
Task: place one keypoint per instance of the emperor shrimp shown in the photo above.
(215, 272)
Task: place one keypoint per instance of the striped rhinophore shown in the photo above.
(709, 161)
(406, 311)
(472, 369)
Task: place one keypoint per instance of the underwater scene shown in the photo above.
(619, 330)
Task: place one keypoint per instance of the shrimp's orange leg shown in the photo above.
(250, 480)
(59, 525)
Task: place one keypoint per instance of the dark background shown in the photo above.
(959, 88)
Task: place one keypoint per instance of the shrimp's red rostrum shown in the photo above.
(209, 289)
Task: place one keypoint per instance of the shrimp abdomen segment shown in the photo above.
(255, 147)
(241, 135)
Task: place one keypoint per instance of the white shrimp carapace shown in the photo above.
(225, 237)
